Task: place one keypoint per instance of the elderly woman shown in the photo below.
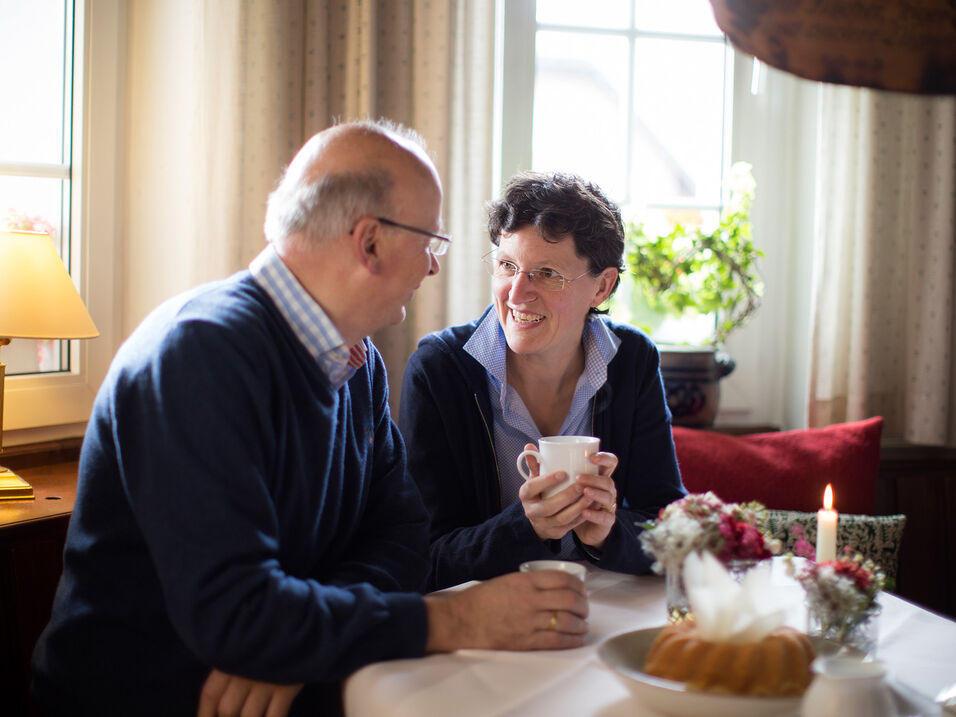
(541, 361)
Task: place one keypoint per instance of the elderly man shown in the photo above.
(244, 522)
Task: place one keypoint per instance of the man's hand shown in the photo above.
(225, 695)
(542, 610)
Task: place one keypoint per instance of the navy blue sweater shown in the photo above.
(446, 419)
(233, 511)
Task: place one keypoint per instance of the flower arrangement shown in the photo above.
(841, 593)
(703, 522)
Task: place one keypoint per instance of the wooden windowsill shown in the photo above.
(32, 455)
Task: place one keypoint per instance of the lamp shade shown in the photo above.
(883, 44)
(37, 296)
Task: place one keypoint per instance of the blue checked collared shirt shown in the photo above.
(513, 425)
(308, 321)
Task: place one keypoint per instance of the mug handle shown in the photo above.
(524, 454)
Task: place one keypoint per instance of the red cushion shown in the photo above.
(788, 470)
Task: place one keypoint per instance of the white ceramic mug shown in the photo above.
(578, 570)
(846, 687)
(570, 454)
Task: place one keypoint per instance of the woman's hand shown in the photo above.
(587, 506)
(551, 517)
(601, 494)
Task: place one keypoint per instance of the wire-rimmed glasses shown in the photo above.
(546, 279)
(438, 244)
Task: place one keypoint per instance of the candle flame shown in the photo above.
(828, 497)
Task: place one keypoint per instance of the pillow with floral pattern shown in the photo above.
(877, 537)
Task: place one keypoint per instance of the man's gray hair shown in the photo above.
(330, 206)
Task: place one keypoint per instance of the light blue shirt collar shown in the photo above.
(488, 347)
(308, 321)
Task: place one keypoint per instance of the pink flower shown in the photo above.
(703, 522)
(741, 540)
(802, 547)
(840, 591)
(15, 220)
(853, 570)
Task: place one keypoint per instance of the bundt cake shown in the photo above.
(777, 665)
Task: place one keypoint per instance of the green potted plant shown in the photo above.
(700, 273)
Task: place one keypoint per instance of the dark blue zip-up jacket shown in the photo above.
(446, 420)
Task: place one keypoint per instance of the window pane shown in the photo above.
(39, 204)
(32, 76)
(580, 107)
(694, 17)
(35, 203)
(606, 13)
(36, 57)
(678, 121)
(661, 221)
(23, 356)
(629, 304)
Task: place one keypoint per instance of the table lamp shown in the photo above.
(37, 301)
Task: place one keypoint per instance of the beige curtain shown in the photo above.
(222, 93)
(883, 334)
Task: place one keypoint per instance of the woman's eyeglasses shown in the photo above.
(546, 279)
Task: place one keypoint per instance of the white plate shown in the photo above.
(625, 655)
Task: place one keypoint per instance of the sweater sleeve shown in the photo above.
(451, 458)
(197, 450)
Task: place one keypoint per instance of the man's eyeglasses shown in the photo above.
(546, 279)
(438, 244)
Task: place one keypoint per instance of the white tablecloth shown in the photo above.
(918, 648)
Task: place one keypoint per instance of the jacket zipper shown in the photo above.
(491, 442)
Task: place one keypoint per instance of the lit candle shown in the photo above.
(826, 528)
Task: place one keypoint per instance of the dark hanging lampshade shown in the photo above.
(902, 45)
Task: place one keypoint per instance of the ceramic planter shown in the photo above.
(692, 383)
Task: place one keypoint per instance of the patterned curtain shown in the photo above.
(221, 94)
(883, 333)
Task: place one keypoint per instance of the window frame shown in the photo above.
(41, 407)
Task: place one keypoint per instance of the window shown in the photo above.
(636, 95)
(63, 165)
(646, 99)
(644, 83)
(36, 80)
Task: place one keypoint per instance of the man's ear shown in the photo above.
(366, 241)
(605, 285)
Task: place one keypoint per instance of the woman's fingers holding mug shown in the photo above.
(601, 513)
(600, 489)
(552, 518)
(606, 462)
(532, 489)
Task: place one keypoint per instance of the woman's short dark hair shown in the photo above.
(562, 205)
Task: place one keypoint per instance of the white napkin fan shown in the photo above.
(729, 611)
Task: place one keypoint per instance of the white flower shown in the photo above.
(693, 523)
(741, 180)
